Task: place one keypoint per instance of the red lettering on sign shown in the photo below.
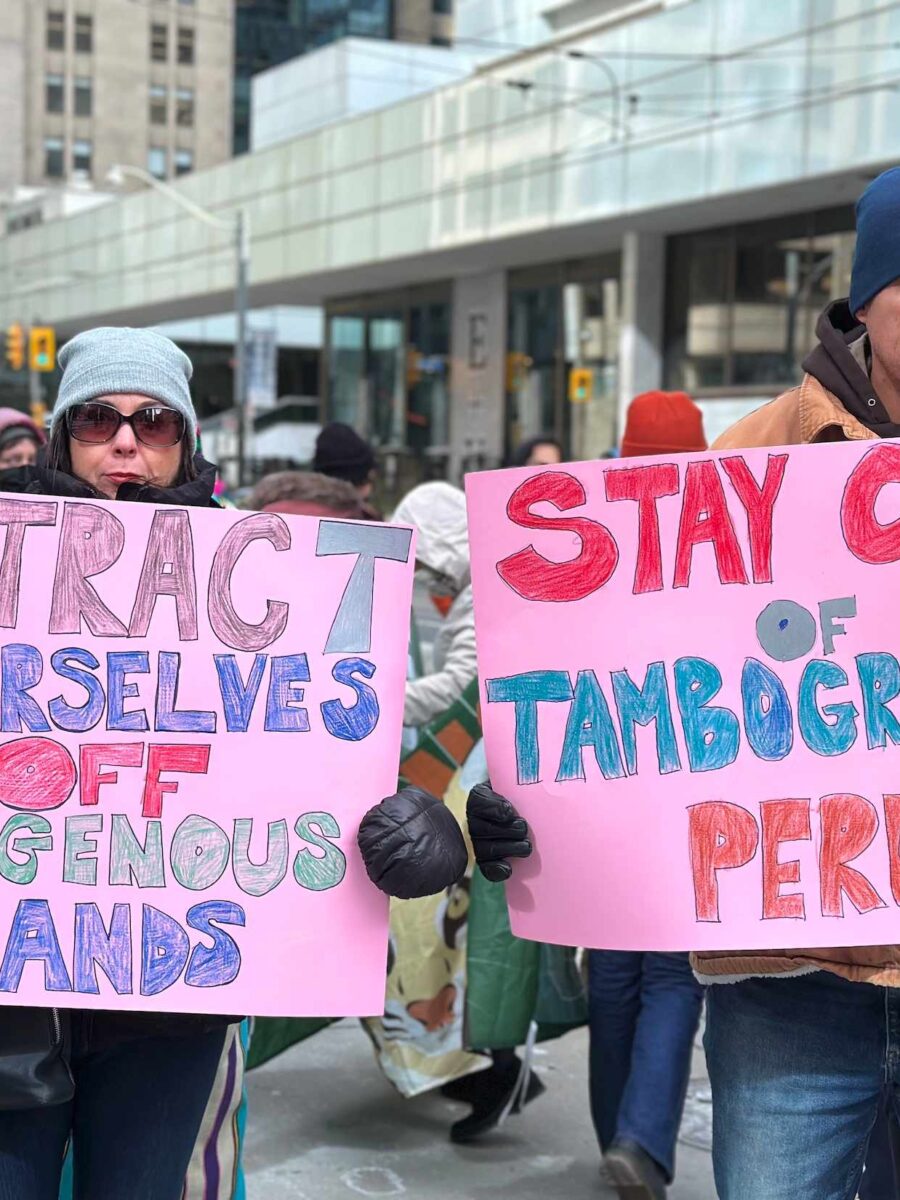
(645, 485)
(190, 759)
(849, 825)
(722, 836)
(537, 578)
(117, 754)
(869, 540)
(705, 518)
(759, 504)
(782, 821)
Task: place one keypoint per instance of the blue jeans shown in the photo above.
(800, 1070)
(644, 1010)
(880, 1178)
(134, 1119)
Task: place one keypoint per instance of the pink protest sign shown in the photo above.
(691, 689)
(196, 709)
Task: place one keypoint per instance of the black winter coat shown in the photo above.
(110, 1028)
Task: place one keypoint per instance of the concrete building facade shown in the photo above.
(660, 194)
(272, 32)
(12, 92)
(107, 82)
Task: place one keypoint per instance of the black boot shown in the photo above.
(495, 1088)
(465, 1089)
(635, 1175)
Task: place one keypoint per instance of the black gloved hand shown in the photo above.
(412, 845)
(497, 831)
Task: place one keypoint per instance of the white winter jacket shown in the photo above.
(438, 512)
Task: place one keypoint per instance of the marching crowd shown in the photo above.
(802, 1045)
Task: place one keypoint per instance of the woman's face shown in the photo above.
(124, 459)
(21, 453)
(544, 454)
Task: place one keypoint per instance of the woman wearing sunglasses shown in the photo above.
(130, 1089)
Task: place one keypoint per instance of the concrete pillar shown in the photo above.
(641, 330)
(478, 372)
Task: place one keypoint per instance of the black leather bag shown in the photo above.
(34, 1058)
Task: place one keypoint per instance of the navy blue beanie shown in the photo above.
(876, 261)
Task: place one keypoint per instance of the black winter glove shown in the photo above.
(497, 831)
(412, 845)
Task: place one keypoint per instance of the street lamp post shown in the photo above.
(242, 249)
(615, 89)
(239, 227)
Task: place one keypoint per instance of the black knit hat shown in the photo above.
(343, 454)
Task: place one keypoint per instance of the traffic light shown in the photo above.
(15, 346)
(581, 385)
(42, 348)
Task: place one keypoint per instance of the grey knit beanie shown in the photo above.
(113, 361)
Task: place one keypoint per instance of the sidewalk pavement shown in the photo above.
(325, 1125)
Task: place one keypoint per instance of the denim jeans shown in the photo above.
(880, 1178)
(800, 1069)
(134, 1119)
(644, 1011)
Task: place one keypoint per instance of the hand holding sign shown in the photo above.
(412, 845)
(497, 831)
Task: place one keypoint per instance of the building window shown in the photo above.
(23, 221)
(84, 34)
(158, 105)
(55, 98)
(156, 162)
(159, 43)
(185, 45)
(373, 19)
(442, 7)
(184, 161)
(560, 319)
(56, 30)
(84, 96)
(184, 106)
(742, 301)
(82, 155)
(54, 158)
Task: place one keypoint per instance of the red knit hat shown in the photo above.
(662, 423)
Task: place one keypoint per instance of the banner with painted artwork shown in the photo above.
(196, 709)
(691, 688)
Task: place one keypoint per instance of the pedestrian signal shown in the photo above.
(15, 346)
(42, 348)
(581, 385)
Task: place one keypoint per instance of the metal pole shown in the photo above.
(242, 252)
(35, 390)
(619, 128)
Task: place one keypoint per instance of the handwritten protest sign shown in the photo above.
(691, 688)
(196, 709)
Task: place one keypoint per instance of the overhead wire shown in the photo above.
(399, 32)
(485, 178)
(627, 89)
(517, 173)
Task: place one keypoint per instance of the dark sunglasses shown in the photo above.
(97, 423)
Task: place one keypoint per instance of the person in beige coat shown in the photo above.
(803, 1046)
